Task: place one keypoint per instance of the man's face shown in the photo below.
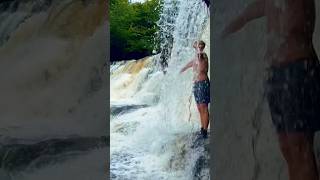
(200, 47)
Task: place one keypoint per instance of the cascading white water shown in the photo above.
(154, 120)
(53, 88)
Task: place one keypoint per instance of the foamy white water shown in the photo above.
(154, 115)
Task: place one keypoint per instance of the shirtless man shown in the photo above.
(292, 87)
(201, 88)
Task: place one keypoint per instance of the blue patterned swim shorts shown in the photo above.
(201, 90)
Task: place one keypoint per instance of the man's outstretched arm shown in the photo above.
(253, 11)
(189, 65)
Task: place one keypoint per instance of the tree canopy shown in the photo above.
(133, 28)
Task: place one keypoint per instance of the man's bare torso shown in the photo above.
(200, 69)
(290, 26)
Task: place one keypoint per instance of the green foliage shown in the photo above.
(133, 28)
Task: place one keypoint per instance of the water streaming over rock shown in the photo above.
(153, 132)
(52, 108)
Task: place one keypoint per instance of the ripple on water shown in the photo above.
(124, 166)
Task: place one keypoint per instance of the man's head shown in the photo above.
(201, 45)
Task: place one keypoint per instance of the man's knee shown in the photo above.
(198, 107)
(295, 146)
(203, 106)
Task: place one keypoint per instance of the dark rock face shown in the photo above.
(16, 157)
(202, 162)
(192, 155)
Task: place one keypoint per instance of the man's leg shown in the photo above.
(297, 149)
(201, 115)
(204, 115)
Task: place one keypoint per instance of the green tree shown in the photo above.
(132, 28)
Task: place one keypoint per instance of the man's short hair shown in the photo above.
(202, 43)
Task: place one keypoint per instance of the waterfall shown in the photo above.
(154, 117)
(52, 109)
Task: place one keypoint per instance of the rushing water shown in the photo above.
(153, 116)
(52, 109)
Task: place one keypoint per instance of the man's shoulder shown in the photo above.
(203, 54)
